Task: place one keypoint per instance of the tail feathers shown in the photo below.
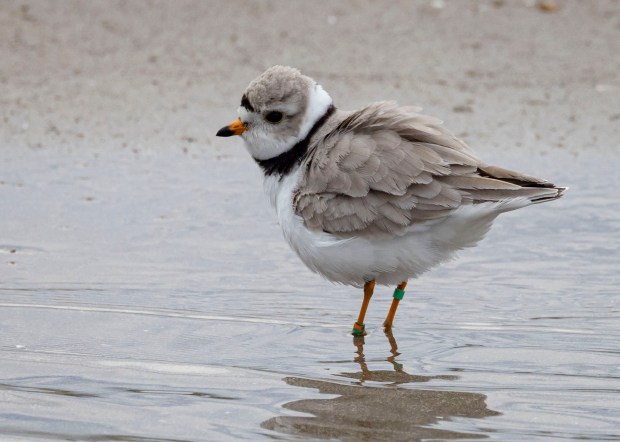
(537, 190)
(552, 193)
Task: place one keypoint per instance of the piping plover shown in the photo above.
(377, 195)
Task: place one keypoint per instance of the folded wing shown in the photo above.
(385, 168)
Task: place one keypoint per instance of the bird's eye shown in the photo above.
(274, 117)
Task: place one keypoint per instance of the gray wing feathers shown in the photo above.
(384, 168)
(512, 176)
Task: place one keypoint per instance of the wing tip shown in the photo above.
(560, 191)
(558, 194)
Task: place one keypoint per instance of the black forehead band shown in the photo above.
(246, 103)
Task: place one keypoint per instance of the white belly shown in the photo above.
(387, 260)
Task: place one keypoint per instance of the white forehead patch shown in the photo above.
(244, 114)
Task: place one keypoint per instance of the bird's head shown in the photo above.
(277, 110)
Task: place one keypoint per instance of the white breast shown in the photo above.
(389, 260)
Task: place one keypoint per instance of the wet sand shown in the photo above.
(146, 292)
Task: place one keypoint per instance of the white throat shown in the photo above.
(263, 145)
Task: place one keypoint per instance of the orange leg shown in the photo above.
(358, 327)
(398, 295)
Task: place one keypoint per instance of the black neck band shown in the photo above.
(284, 162)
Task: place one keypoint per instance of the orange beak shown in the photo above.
(235, 128)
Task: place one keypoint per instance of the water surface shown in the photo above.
(149, 296)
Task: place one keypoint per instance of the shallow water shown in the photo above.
(149, 296)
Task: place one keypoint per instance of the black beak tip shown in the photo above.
(224, 132)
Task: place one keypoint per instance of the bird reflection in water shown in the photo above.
(390, 377)
(379, 412)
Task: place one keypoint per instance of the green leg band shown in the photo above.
(358, 329)
(398, 294)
